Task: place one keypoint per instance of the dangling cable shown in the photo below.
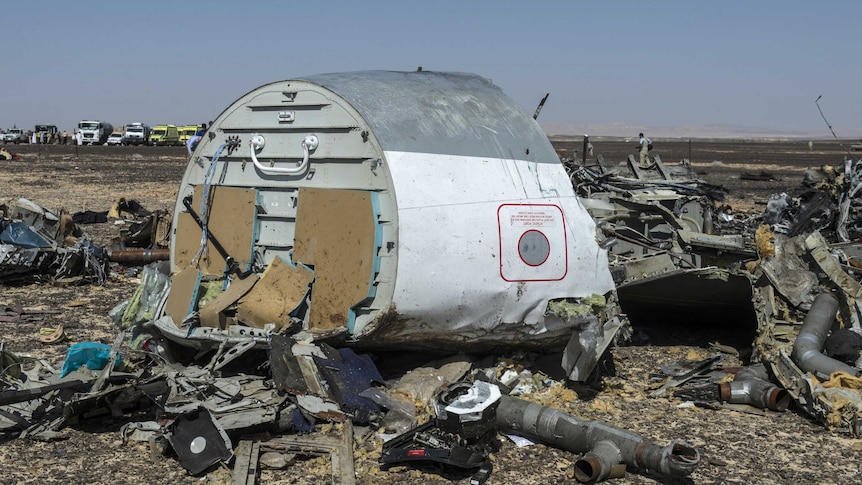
(203, 249)
(817, 102)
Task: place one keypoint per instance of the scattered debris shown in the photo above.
(7, 155)
(39, 245)
(283, 268)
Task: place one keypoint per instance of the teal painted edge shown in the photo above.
(301, 303)
(375, 263)
(290, 261)
(255, 232)
(197, 290)
(255, 235)
(194, 299)
(378, 243)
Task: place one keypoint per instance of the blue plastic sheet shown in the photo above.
(92, 354)
(20, 234)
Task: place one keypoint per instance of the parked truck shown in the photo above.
(14, 135)
(46, 134)
(94, 131)
(164, 135)
(187, 132)
(136, 134)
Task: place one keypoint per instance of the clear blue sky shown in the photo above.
(673, 63)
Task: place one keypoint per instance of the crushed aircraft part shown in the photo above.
(347, 375)
(809, 343)
(199, 440)
(605, 446)
(39, 245)
(468, 409)
(694, 369)
(326, 382)
(844, 345)
(462, 435)
(338, 448)
(150, 294)
(658, 226)
(152, 232)
(123, 208)
(810, 291)
(428, 442)
(271, 196)
(751, 386)
(670, 247)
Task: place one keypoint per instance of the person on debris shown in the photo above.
(645, 145)
(193, 141)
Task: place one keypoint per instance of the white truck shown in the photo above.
(14, 135)
(95, 132)
(136, 134)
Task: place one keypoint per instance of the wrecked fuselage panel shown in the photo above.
(312, 205)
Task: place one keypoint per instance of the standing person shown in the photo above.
(79, 138)
(193, 140)
(645, 145)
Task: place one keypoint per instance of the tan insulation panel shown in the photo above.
(335, 235)
(184, 288)
(231, 221)
(281, 289)
(210, 313)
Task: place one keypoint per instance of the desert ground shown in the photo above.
(767, 448)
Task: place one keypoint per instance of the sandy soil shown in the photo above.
(738, 447)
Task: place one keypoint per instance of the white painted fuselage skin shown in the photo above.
(484, 243)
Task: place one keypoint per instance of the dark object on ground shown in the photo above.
(844, 345)
(761, 175)
(90, 217)
(199, 441)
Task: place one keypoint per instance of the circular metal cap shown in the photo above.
(534, 248)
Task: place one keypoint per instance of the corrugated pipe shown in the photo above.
(606, 446)
(808, 347)
(751, 386)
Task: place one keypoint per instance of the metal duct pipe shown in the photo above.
(750, 386)
(603, 461)
(607, 445)
(807, 349)
(139, 256)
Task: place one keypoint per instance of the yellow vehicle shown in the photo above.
(164, 135)
(187, 132)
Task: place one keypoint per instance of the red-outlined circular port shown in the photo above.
(534, 248)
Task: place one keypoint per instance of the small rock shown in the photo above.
(715, 461)
(275, 460)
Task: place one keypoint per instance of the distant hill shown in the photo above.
(705, 131)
